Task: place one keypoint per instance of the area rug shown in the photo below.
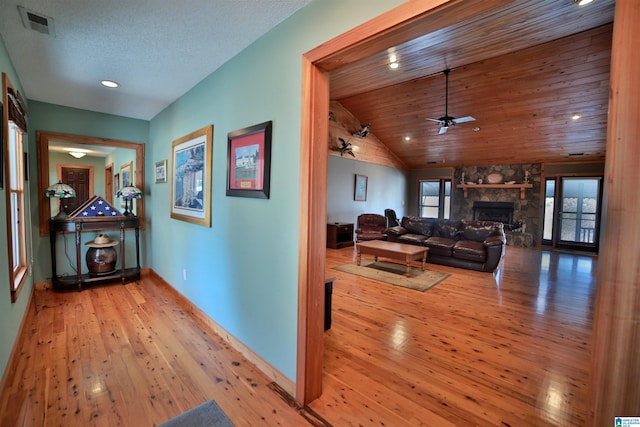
(394, 274)
(207, 414)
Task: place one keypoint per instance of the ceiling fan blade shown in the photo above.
(443, 130)
(463, 119)
(434, 120)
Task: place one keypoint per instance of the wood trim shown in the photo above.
(43, 139)
(614, 388)
(214, 328)
(312, 231)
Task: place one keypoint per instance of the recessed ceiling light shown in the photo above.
(576, 116)
(109, 83)
(393, 61)
(407, 138)
(582, 2)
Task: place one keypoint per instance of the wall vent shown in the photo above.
(37, 22)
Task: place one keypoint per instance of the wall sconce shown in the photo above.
(128, 193)
(60, 191)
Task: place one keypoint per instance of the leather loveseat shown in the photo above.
(475, 245)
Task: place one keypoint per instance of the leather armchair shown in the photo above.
(371, 227)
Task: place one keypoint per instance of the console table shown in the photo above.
(94, 224)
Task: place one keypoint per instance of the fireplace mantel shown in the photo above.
(520, 187)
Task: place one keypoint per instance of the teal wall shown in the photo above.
(56, 118)
(11, 314)
(242, 272)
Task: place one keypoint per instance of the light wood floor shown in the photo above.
(509, 350)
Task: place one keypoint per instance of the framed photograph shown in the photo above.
(191, 177)
(126, 174)
(249, 161)
(360, 188)
(116, 182)
(161, 171)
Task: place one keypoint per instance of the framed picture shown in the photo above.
(116, 182)
(191, 179)
(126, 174)
(360, 188)
(1, 147)
(249, 161)
(161, 171)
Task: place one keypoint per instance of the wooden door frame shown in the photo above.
(108, 183)
(405, 22)
(613, 387)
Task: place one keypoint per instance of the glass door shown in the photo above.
(578, 213)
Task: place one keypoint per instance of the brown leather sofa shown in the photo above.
(475, 245)
(371, 227)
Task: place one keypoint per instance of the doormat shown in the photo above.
(395, 274)
(207, 414)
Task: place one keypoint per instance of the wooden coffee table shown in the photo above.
(401, 251)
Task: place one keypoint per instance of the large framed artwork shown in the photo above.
(249, 161)
(191, 177)
(360, 188)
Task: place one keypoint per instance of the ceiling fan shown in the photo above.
(446, 120)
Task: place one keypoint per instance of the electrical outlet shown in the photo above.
(184, 274)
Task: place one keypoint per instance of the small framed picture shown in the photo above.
(249, 161)
(360, 188)
(161, 171)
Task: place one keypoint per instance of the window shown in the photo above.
(13, 116)
(16, 209)
(435, 198)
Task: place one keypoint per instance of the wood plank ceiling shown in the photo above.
(520, 69)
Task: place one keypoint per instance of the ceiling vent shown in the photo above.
(37, 22)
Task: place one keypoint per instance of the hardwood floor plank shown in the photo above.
(479, 349)
(508, 349)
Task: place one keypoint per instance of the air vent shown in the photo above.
(575, 154)
(37, 22)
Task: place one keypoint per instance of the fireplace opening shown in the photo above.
(494, 211)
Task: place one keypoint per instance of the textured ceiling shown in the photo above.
(157, 50)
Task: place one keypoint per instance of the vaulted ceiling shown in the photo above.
(521, 69)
